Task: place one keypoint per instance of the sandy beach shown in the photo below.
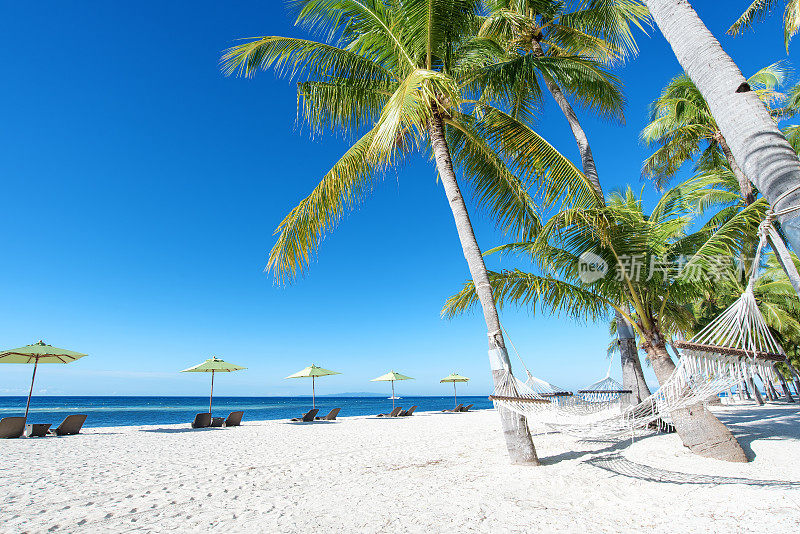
(428, 473)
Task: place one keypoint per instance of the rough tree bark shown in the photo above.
(697, 427)
(745, 187)
(752, 135)
(515, 427)
(632, 374)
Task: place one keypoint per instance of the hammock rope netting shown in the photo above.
(732, 349)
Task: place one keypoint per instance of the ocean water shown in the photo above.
(129, 411)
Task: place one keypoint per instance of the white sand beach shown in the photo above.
(428, 473)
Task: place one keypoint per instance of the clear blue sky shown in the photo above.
(141, 189)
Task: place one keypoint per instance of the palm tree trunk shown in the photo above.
(752, 135)
(515, 427)
(699, 429)
(632, 374)
(587, 158)
(745, 187)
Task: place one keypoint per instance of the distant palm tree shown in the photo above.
(682, 126)
(760, 9)
(642, 252)
(409, 75)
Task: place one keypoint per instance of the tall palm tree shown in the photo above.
(593, 28)
(641, 252)
(681, 123)
(758, 146)
(406, 76)
(760, 9)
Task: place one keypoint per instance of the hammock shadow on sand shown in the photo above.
(619, 465)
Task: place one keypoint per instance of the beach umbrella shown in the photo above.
(454, 378)
(391, 376)
(312, 372)
(39, 352)
(213, 365)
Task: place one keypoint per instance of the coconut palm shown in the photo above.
(595, 28)
(760, 9)
(682, 126)
(757, 145)
(642, 252)
(405, 76)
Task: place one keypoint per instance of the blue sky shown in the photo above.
(142, 189)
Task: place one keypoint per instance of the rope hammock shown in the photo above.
(733, 348)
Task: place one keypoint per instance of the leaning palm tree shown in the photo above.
(757, 144)
(683, 128)
(406, 76)
(643, 253)
(760, 9)
(552, 28)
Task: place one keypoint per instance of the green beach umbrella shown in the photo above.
(391, 376)
(454, 377)
(312, 372)
(39, 352)
(213, 365)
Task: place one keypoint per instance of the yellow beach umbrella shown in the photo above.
(39, 352)
(454, 377)
(213, 365)
(312, 372)
(391, 376)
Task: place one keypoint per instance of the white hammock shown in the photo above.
(734, 347)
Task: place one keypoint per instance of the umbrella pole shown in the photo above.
(392, 394)
(27, 406)
(313, 394)
(455, 395)
(210, 397)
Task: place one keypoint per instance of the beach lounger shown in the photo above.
(406, 413)
(234, 419)
(307, 417)
(393, 413)
(202, 420)
(71, 425)
(12, 427)
(331, 416)
(36, 430)
(456, 409)
(217, 421)
(467, 407)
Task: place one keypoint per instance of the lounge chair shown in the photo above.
(217, 421)
(307, 417)
(456, 409)
(406, 413)
(234, 419)
(36, 430)
(12, 427)
(71, 424)
(393, 413)
(331, 415)
(467, 407)
(202, 420)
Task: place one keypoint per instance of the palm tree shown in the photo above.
(681, 123)
(757, 144)
(759, 9)
(598, 29)
(642, 252)
(405, 76)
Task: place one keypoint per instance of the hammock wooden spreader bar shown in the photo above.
(531, 400)
(715, 349)
(607, 391)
